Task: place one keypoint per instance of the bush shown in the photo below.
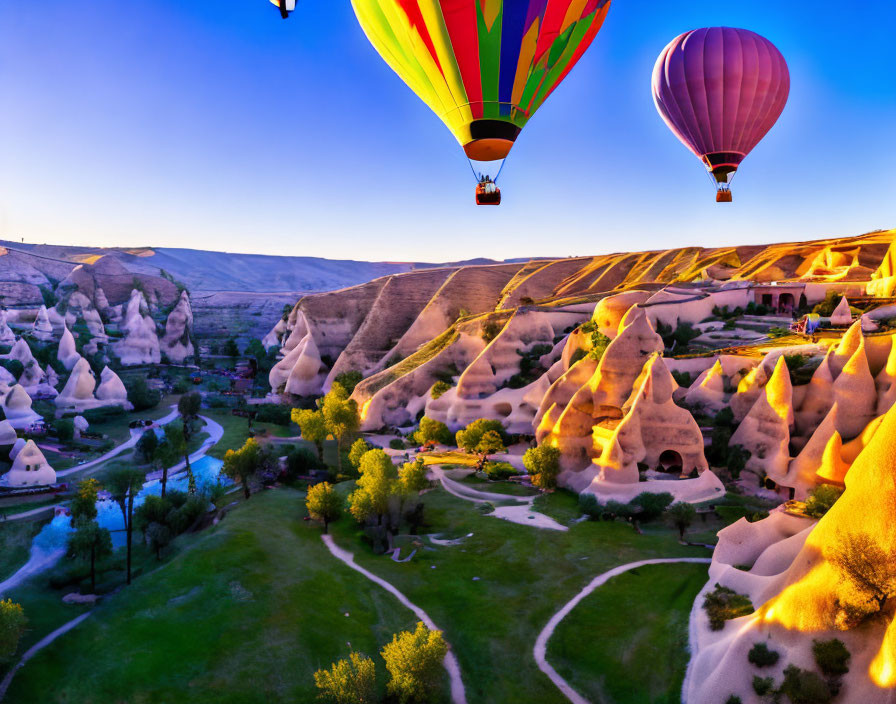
(831, 656)
(396, 444)
(497, 471)
(804, 687)
(275, 413)
(182, 386)
(763, 685)
(543, 465)
(65, 430)
(13, 366)
(103, 415)
(821, 500)
(734, 699)
(433, 431)
(827, 307)
(468, 438)
(300, 462)
(141, 396)
(349, 380)
(439, 389)
(761, 656)
(649, 507)
(723, 604)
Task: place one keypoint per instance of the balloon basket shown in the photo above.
(724, 197)
(484, 197)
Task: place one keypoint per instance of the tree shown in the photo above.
(89, 542)
(65, 430)
(12, 627)
(543, 465)
(375, 487)
(349, 380)
(243, 464)
(147, 446)
(468, 438)
(230, 348)
(313, 427)
(831, 656)
(188, 407)
(171, 450)
(141, 396)
(358, 449)
(489, 444)
(432, 431)
(124, 484)
(412, 477)
(414, 663)
(868, 572)
(152, 519)
(323, 504)
(351, 681)
(83, 505)
(341, 416)
(681, 515)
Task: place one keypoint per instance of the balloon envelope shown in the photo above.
(721, 90)
(483, 66)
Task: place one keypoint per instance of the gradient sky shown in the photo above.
(216, 125)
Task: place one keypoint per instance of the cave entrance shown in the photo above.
(786, 303)
(671, 462)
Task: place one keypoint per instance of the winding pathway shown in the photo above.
(458, 693)
(541, 643)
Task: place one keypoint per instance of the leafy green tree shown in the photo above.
(358, 449)
(489, 444)
(124, 484)
(188, 407)
(414, 663)
(376, 486)
(831, 656)
(147, 446)
(869, 573)
(89, 542)
(822, 499)
(468, 438)
(681, 515)
(805, 687)
(341, 416)
(244, 464)
(83, 505)
(351, 681)
(412, 477)
(543, 465)
(171, 450)
(65, 430)
(152, 519)
(313, 427)
(349, 380)
(230, 348)
(12, 628)
(432, 431)
(141, 396)
(761, 655)
(323, 504)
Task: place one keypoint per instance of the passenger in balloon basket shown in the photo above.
(487, 192)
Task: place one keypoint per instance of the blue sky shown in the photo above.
(216, 125)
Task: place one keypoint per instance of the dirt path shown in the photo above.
(36, 648)
(520, 513)
(541, 643)
(458, 693)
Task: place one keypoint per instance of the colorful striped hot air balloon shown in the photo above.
(286, 6)
(483, 66)
(721, 90)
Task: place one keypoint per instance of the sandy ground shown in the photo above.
(458, 693)
(541, 643)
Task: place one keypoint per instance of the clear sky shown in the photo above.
(216, 125)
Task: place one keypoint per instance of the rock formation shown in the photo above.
(7, 336)
(141, 343)
(8, 439)
(611, 310)
(818, 398)
(30, 468)
(42, 329)
(306, 376)
(112, 391)
(765, 431)
(842, 315)
(78, 390)
(17, 407)
(855, 394)
(177, 343)
(708, 390)
(885, 382)
(68, 351)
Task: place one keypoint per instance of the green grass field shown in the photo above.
(633, 631)
(247, 610)
(15, 542)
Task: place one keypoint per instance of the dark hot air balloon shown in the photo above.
(286, 6)
(721, 90)
(483, 66)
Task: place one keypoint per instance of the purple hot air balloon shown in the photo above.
(721, 90)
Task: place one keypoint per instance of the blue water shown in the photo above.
(54, 535)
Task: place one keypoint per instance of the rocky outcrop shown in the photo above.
(7, 336)
(842, 315)
(17, 408)
(855, 395)
(42, 329)
(818, 399)
(67, 352)
(708, 390)
(611, 310)
(177, 342)
(112, 391)
(30, 468)
(78, 390)
(307, 374)
(141, 343)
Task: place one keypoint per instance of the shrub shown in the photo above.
(349, 380)
(357, 450)
(433, 431)
(12, 627)
(723, 604)
(65, 430)
(821, 500)
(414, 663)
(827, 307)
(734, 699)
(300, 462)
(396, 444)
(804, 687)
(490, 330)
(499, 470)
(276, 413)
(13, 366)
(763, 685)
(351, 681)
(141, 396)
(649, 507)
(831, 656)
(439, 389)
(469, 438)
(761, 656)
(543, 465)
(181, 386)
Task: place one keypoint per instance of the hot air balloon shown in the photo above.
(483, 66)
(721, 90)
(286, 6)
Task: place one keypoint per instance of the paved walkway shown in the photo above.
(541, 643)
(36, 648)
(458, 693)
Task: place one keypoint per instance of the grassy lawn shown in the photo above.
(236, 430)
(245, 612)
(117, 428)
(524, 575)
(633, 631)
(15, 542)
(509, 488)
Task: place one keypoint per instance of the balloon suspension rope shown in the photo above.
(478, 177)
